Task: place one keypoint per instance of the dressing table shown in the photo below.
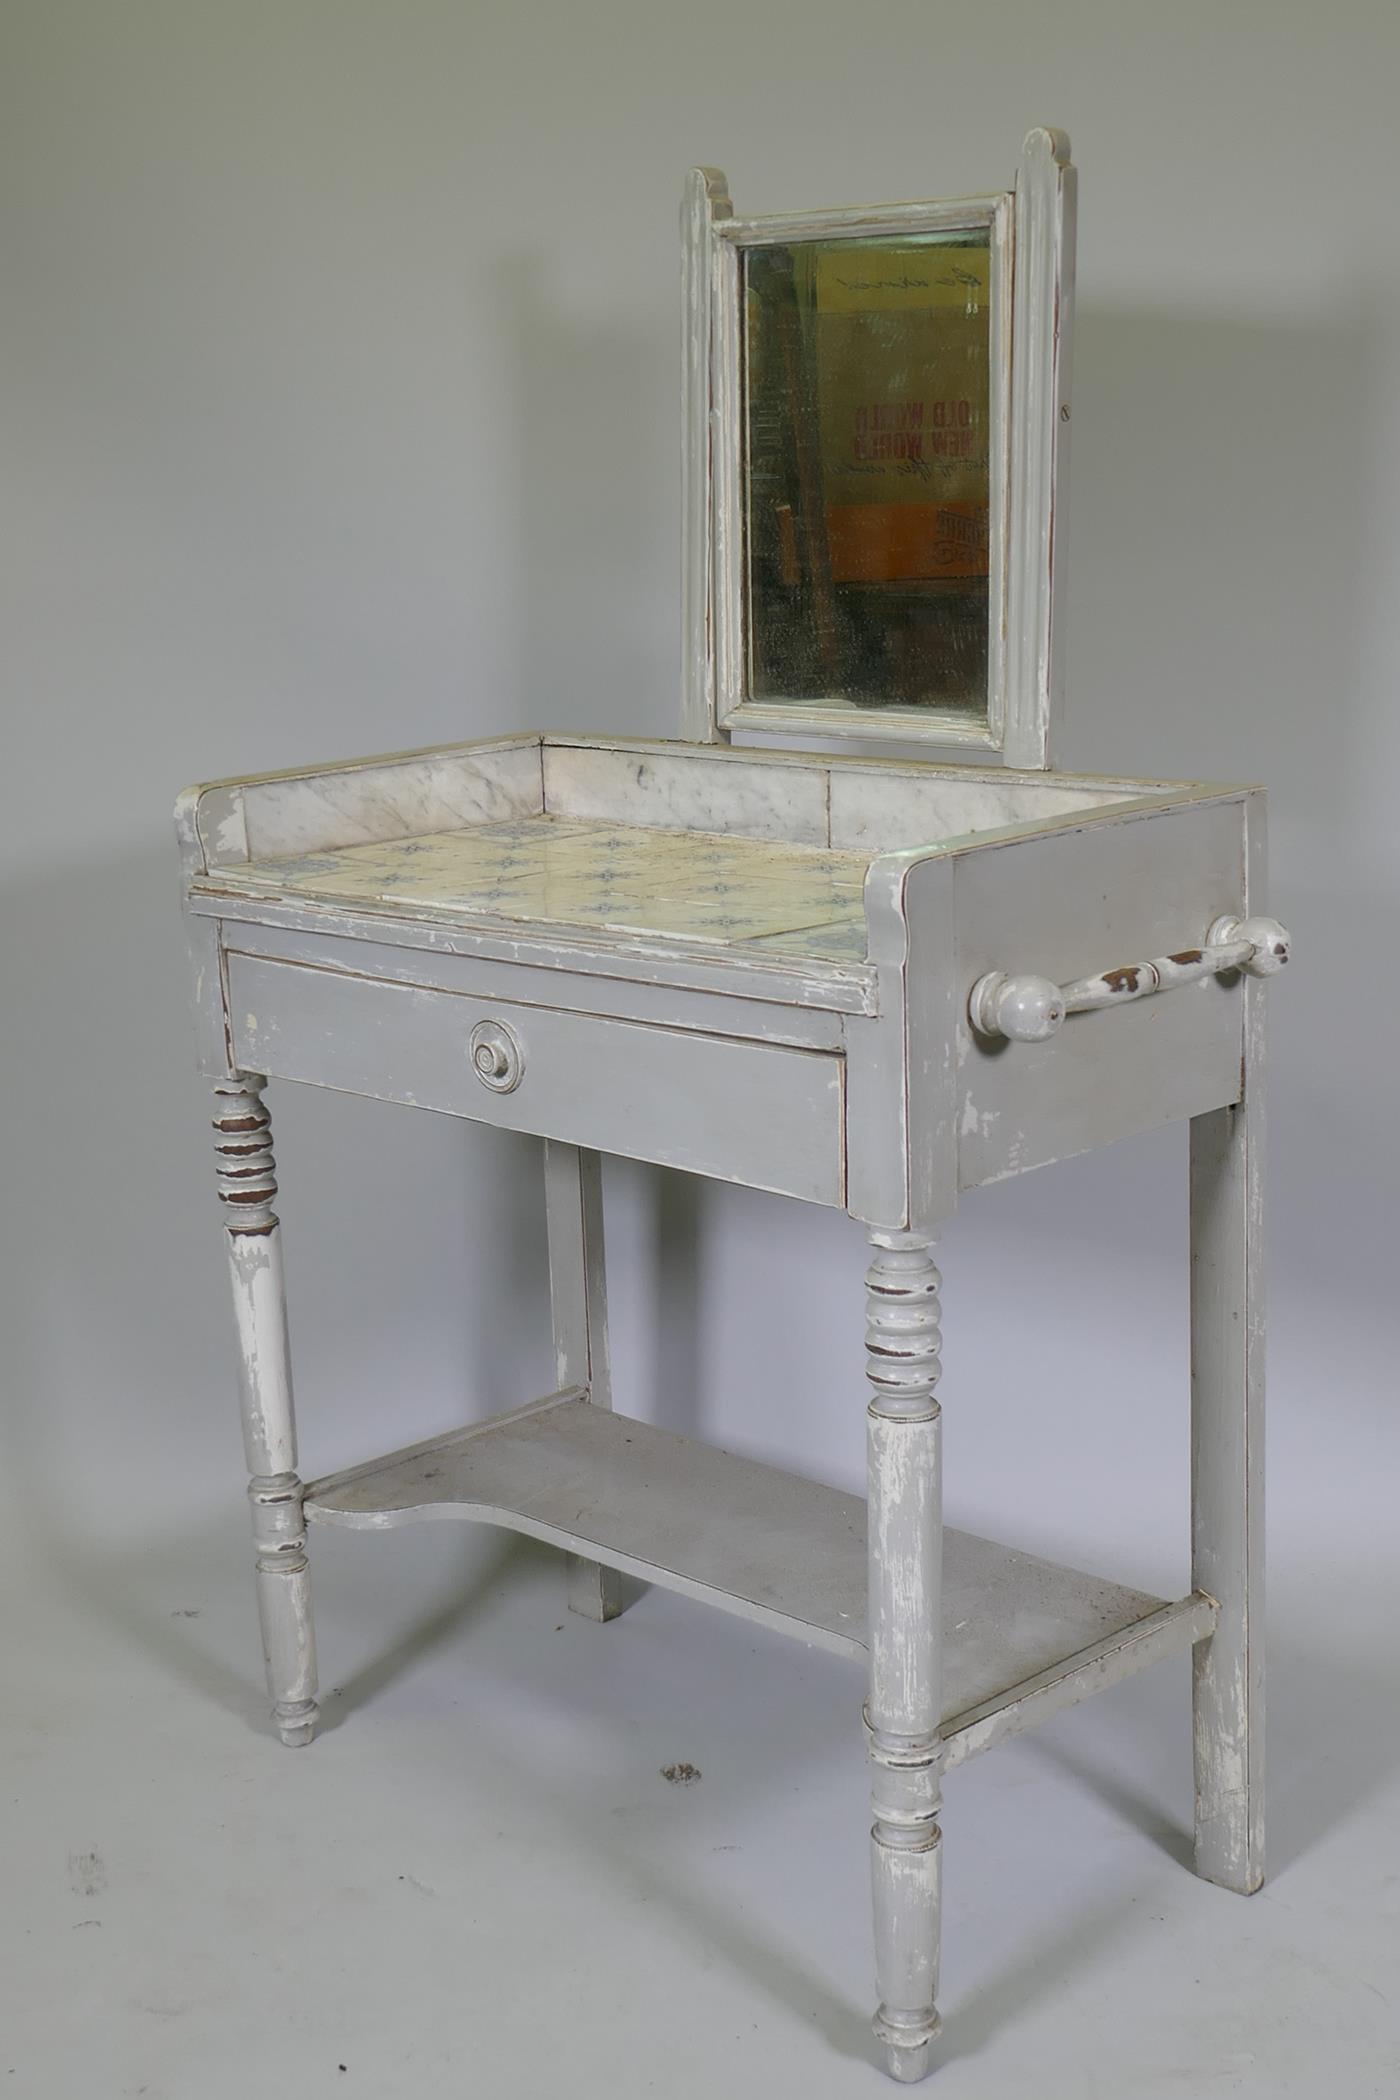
(851, 940)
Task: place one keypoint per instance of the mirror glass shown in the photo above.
(867, 422)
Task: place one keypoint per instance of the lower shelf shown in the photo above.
(1022, 1636)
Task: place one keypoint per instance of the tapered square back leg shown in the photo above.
(1227, 1482)
(578, 1301)
(248, 1188)
(905, 1633)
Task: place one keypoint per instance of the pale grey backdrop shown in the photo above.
(339, 396)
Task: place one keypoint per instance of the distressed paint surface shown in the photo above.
(905, 1703)
(1123, 883)
(1032, 239)
(578, 1310)
(247, 1185)
(706, 201)
(613, 1086)
(1227, 1443)
(757, 964)
(754, 972)
(1029, 1009)
(747, 1537)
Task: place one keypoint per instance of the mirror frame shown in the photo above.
(1032, 243)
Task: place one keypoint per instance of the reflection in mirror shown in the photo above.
(867, 404)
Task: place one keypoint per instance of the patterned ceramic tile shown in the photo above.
(673, 885)
(842, 941)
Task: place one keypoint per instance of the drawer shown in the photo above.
(766, 1115)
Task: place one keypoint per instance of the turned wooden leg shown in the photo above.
(906, 1634)
(578, 1299)
(1227, 1483)
(248, 1186)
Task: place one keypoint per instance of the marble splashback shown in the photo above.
(872, 807)
(354, 804)
(883, 812)
(696, 789)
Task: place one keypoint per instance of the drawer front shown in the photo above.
(766, 1115)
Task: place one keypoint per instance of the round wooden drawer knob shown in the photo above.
(497, 1058)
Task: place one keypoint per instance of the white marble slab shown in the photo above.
(880, 812)
(683, 791)
(358, 805)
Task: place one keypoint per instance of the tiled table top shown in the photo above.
(693, 886)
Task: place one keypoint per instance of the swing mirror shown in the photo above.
(877, 408)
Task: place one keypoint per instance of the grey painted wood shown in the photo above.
(208, 1004)
(1046, 197)
(861, 1083)
(835, 222)
(877, 1101)
(1028, 1009)
(901, 1080)
(740, 1111)
(905, 1612)
(864, 1076)
(706, 200)
(1029, 361)
(625, 999)
(578, 1304)
(1227, 1445)
(247, 1188)
(933, 999)
(1170, 1631)
(738, 1534)
(746, 1537)
(208, 996)
(1124, 885)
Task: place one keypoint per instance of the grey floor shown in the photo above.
(478, 1881)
